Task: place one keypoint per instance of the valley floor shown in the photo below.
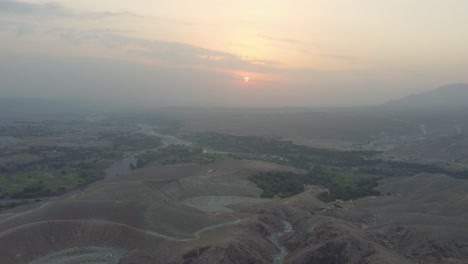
(211, 213)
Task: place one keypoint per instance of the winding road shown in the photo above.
(148, 232)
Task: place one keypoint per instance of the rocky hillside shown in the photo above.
(171, 214)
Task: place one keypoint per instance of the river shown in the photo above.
(117, 168)
(275, 239)
(123, 166)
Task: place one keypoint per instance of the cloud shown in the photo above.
(54, 9)
(113, 81)
(287, 40)
(339, 57)
(175, 53)
(184, 54)
(18, 28)
(174, 21)
(17, 7)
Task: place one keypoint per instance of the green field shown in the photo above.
(135, 142)
(46, 170)
(52, 170)
(41, 183)
(176, 154)
(347, 174)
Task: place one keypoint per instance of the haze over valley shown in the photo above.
(384, 184)
(233, 132)
(184, 53)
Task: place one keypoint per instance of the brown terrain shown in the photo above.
(329, 129)
(212, 214)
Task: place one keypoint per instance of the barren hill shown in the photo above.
(192, 213)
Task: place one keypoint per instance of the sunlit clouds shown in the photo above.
(296, 53)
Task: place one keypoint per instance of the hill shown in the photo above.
(447, 97)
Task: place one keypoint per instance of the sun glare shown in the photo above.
(246, 79)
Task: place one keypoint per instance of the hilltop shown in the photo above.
(449, 97)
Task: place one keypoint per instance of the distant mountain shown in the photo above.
(452, 96)
(34, 109)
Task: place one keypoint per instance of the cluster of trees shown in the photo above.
(400, 168)
(74, 166)
(4, 169)
(58, 158)
(285, 184)
(360, 189)
(79, 165)
(15, 204)
(26, 130)
(42, 189)
(36, 190)
(294, 155)
(150, 118)
(356, 166)
(282, 184)
(135, 142)
(174, 154)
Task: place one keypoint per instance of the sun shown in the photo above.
(246, 79)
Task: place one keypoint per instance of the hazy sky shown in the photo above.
(199, 52)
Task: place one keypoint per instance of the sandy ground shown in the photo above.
(211, 213)
(160, 203)
(214, 204)
(85, 255)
